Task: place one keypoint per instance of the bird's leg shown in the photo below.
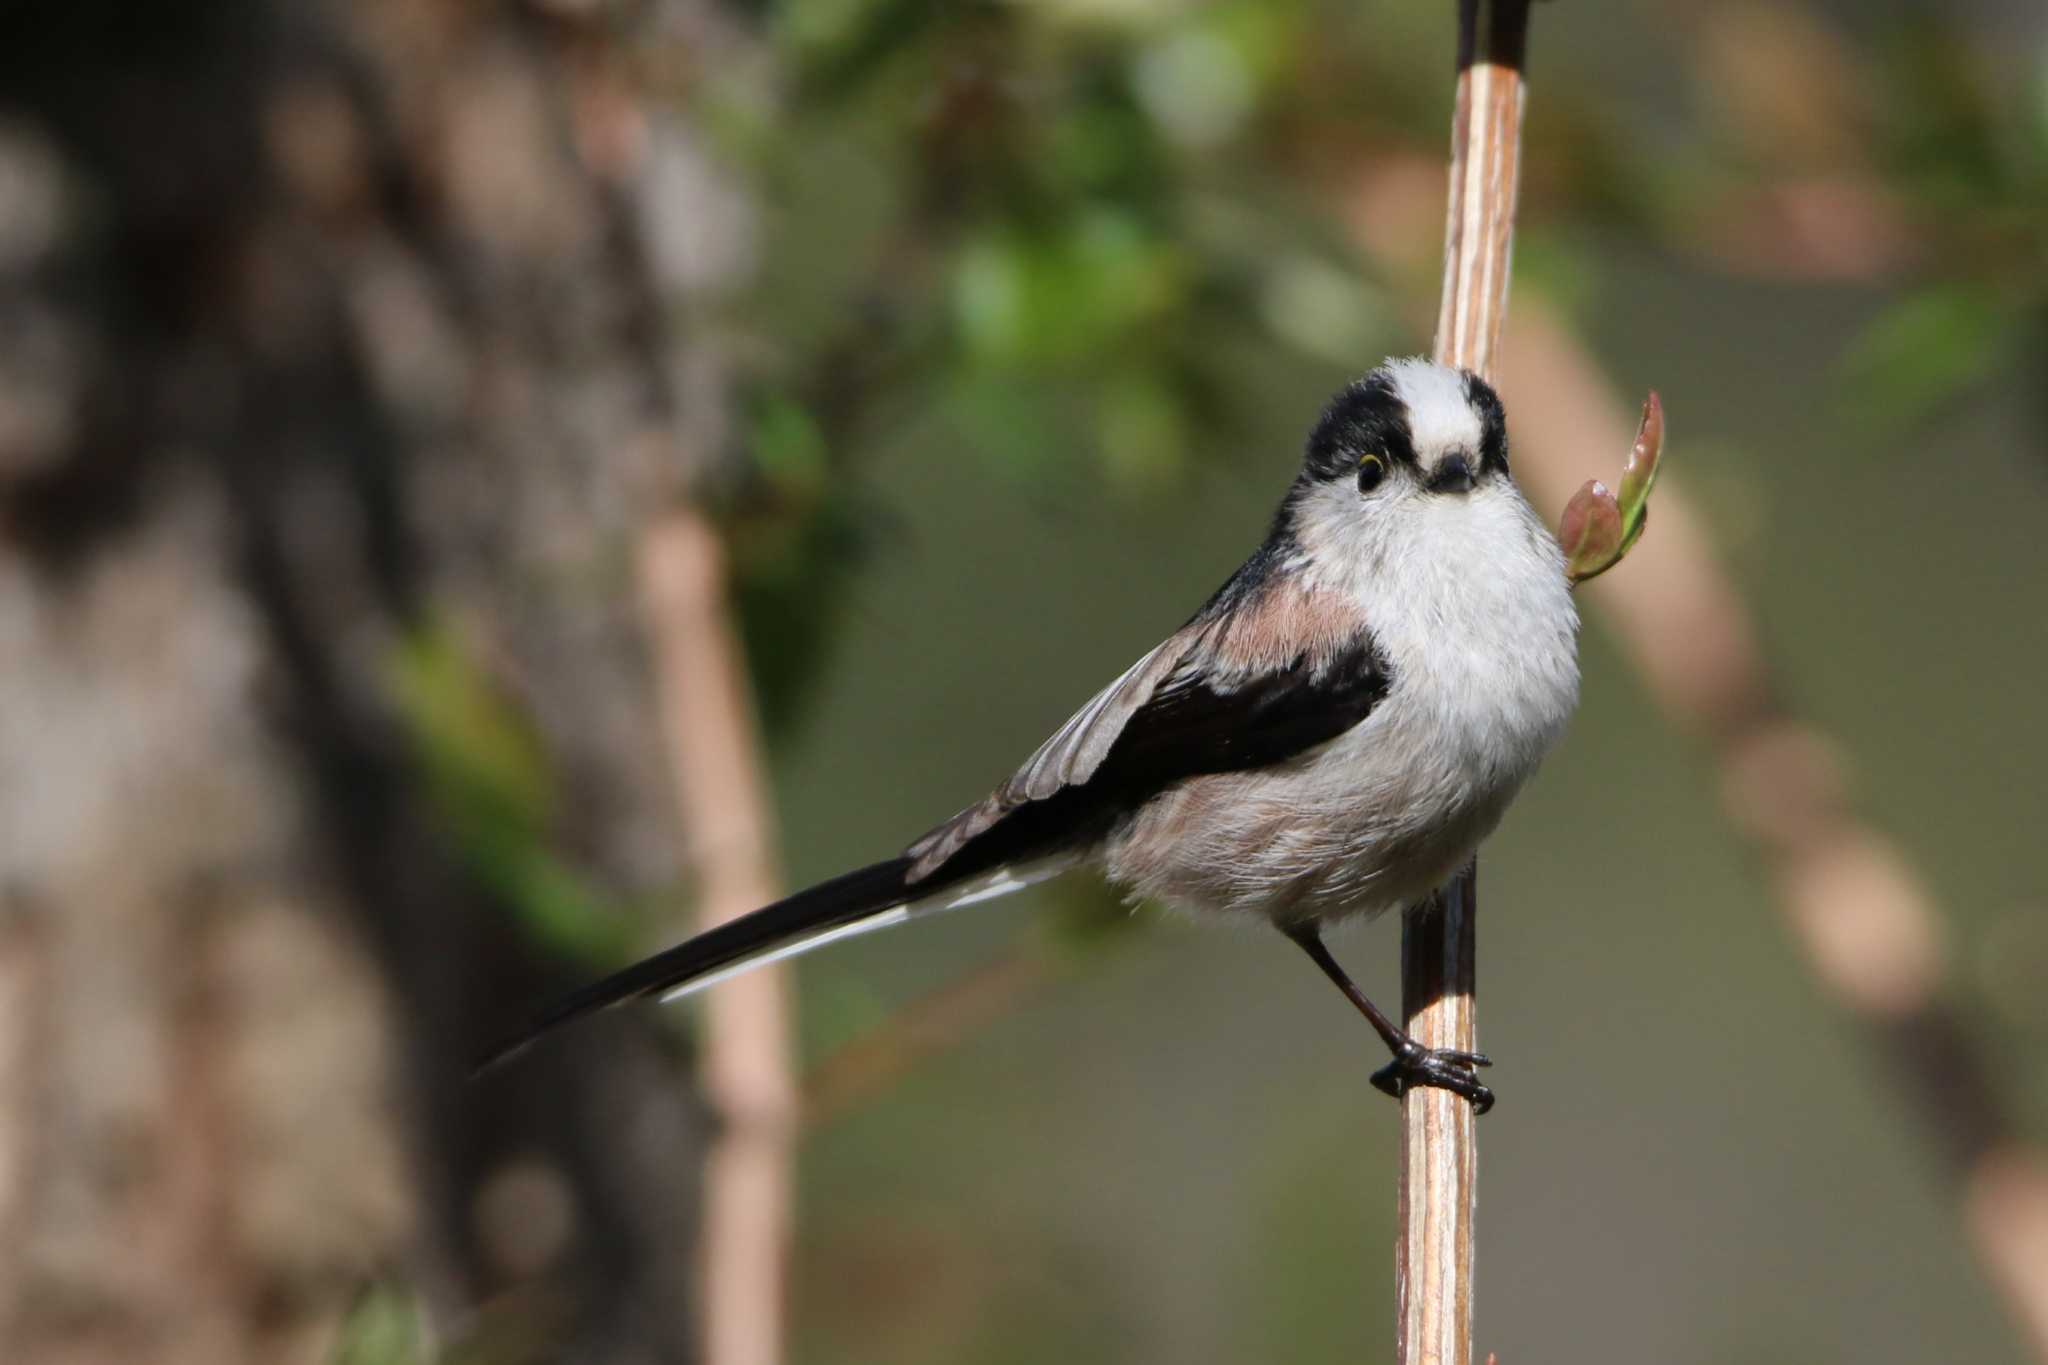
(1413, 1064)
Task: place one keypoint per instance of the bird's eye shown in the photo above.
(1371, 469)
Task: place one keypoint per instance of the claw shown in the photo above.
(1445, 1068)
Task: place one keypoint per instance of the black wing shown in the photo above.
(1182, 711)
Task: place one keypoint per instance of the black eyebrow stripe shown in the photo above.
(1400, 447)
(1493, 423)
(1367, 417)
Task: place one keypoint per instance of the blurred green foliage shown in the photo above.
(386, 1327)
(1069, 225)
(489, 781)
(1965, 143)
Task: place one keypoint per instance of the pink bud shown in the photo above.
(1590, 532)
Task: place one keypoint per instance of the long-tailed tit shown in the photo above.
(1330, 736)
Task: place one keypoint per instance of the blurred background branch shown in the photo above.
(1864, 919)
(746, 1064)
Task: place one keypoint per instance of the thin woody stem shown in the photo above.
(1439, 1157)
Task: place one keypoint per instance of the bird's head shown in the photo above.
(1410, 429)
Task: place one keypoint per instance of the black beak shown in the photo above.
(1454, 475)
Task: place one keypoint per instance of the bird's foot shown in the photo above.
(1444, 1068)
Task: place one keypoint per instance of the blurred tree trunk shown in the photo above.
(332, 343)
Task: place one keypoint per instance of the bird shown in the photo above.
(1328, 738)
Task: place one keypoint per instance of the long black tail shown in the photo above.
(791, 922)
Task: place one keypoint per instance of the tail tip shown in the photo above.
(500, 1056)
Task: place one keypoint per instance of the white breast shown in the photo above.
(1468, 601)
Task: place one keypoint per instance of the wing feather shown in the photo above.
(1234, 689)
(1068, 759)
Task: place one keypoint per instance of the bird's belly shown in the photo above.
(1331, 837)
(1376, 819)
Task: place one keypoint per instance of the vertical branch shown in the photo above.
(708, 724)
(1439, 1160)
(1486, 151)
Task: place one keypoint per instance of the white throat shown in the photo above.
(1467, 597)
